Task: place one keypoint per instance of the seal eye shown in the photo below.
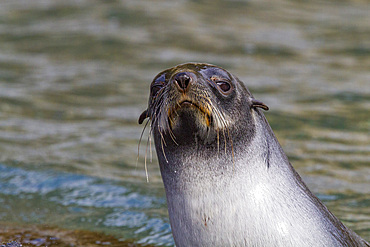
(224, 86)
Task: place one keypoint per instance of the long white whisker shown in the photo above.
(138, 146)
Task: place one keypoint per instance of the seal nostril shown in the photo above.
(182, 79)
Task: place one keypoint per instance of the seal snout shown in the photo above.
(183, 80)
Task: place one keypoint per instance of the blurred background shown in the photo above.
(75, 75)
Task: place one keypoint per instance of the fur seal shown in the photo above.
(228, 181)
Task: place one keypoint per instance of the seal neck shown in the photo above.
(237, 151)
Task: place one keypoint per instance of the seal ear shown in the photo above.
(143, 116)
(257, 103)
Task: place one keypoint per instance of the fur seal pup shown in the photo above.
(228, 182)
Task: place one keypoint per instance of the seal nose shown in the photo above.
(183, 80)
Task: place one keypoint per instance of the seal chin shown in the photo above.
(189, 111)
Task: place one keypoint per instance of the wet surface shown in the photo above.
(48, 236)
(75, 75)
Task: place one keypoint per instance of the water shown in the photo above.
(74, 78)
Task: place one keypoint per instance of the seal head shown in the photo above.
(199, 102)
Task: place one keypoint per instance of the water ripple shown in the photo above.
(71, 189)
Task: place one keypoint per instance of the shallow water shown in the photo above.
(74, 78)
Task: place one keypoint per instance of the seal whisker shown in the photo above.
(173, 137)
(156, 122)
(169, 123)
(150, 140)
(223, 132)
(169, 128)
(218, 141)
(218, 134)
(224, 126)
(153, 119)
(216, 119)
(138, 146)
(164, 153)
(162, 142)
(158, 105)
(220, 124)
(145, 166)
(150, 148)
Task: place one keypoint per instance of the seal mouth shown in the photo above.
(188, 104)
